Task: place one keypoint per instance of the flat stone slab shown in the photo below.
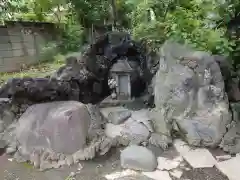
(230, 168)
(197, 158)
(126, 175)
(158, 175)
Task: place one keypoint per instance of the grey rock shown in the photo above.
(231, 78)
(135, 131)
(235, 107)
(138, 158)
(1, 126)
(45, 165)
(190, 96)
(119, 117)
(9, 134)
(35, 159)
(131, 132)
(18, 158)
(10, 150)
(7, 115)
(69, 160)
(156, 150)
(231, 140)
(59, 126)
(3, 144)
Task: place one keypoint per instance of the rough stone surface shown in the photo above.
(190, 95)
(107, 110)
(83, 78)
(119, 116)
(42, 138)
(132, 131)
(231, 78)
(231, 141)
(142, 116)
(3, 144)
(138, 129)
(58, 126)
(143, 160)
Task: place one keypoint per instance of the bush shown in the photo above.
(181, 23)
(48, 52)
(71, 38)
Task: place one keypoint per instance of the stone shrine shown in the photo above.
(121, 73)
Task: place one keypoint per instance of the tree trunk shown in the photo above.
(114, 13)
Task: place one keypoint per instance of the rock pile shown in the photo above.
(187, 89)
(84, 78)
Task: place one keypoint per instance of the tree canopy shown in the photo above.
(204, 24)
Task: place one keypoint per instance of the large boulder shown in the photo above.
(190, 95)
(61, 127)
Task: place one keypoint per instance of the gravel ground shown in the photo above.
(203, 174)
(95, 170)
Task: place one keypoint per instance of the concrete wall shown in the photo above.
(21, 44)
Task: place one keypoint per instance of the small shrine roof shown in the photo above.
(121, 65)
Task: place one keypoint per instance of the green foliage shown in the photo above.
(48, 52)
(91, 11)
(182, 21)
(185, 26)
(199, 23)
(72, 38)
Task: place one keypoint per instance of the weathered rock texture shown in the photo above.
(138, 158)
(187, 89)
(190, 95)
(57, 133)
(58, 126)
(136, 130)
(230, 72)
(231, 78)
(83, 78)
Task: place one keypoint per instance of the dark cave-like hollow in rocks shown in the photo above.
(84, 78)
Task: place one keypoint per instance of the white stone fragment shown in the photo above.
(158, 175)
(230, 168)
(117, 175)
(223, 158)
(10, 159)
(176, 173)
(197, 158)
(168, 164)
